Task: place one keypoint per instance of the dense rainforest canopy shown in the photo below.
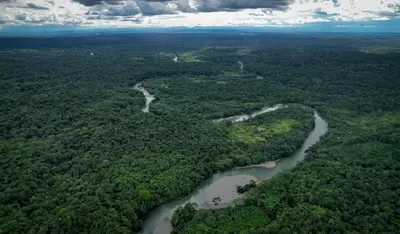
(78, 155)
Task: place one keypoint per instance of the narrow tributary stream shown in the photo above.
(149, 98)
(223, 184)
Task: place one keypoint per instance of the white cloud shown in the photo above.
(194, 12)
(59, 12)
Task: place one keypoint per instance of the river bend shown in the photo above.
(223, 184)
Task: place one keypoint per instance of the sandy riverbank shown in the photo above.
(225, 188)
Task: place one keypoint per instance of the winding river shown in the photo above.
(223, 184)
(241, 118)
(149, 98)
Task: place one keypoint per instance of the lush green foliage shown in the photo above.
(182, 215)
(78, 155)
(350, 180)
(247, 187)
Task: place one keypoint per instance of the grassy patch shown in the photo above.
(250, 133)
(206, 80)
(198, 80)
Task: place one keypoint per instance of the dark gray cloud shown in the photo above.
(394, 13)
(233, 5)
(112, 2)
(162, 7)
(319, 12)
(128, 9)
(98, 2)
(25, 17)
(157, 7)
(246, 4)
(396, 7)
(36, 7)
(131, 8)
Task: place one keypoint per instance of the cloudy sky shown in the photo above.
(168, 13)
